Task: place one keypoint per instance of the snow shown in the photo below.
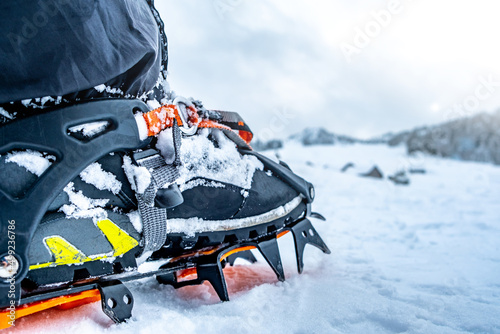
(200, 158)
(139, 177)
(46, 99)
(34, 162)
(5, 114)
(153, 104)
(26, 102)
(142, 126)
(100, 88)
(165, 145)
(90, 129)
(200, 182)
(83, 207)
(423, 258)
(99, 178)
(135, 219)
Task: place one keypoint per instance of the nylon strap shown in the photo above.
(163, 118)
(154, 219)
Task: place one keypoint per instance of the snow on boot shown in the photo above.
(91, 190)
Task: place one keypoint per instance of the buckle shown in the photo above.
(182, 103)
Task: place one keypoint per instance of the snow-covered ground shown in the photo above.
(423, 258)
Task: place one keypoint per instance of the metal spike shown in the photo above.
(245, 255)
(318, 216)
(303, 234)
(116, 300)
(207, 271)
(271, 253)
(168, 279)
(212, 272)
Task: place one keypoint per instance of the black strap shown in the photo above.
(233, 120)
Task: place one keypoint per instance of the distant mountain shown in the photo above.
(384, 139)
(321, 136)
(307, 137)
(475, 138)
(273, 144)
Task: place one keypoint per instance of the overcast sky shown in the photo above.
(361, 68)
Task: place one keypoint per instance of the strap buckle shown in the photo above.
(182, 104)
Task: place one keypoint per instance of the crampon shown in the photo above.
(89, 191)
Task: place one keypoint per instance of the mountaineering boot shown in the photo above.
(95, 182)
(179, 182)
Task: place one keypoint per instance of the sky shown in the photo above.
(360, 68)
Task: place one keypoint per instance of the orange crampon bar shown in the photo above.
(8, 316)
